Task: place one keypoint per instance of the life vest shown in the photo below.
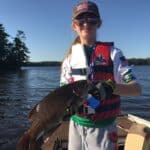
(101, 64)
(101, 68)
(78, 63)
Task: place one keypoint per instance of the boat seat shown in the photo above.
(138, 138)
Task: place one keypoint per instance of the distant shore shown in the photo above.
(44, 63)
(131, 61)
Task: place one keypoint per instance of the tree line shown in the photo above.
(131, 61)
(13, 54)
(139, 61)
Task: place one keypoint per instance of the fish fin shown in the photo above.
(32, 113)
(23, 143)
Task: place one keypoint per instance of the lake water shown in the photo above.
(21, 90)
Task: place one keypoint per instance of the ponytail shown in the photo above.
(76, 40)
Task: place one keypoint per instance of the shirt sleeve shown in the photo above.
(123, 73)
(65, 76)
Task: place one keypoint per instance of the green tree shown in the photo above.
(148, 61)
(19, 52)
(3, 45)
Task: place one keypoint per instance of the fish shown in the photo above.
(49, 112)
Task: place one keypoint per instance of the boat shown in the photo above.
(133, 134)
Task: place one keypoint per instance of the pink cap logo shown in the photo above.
(82, 6)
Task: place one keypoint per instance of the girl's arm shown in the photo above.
(126, 81)
(129, 89)
(65, 76)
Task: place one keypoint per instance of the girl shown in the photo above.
(93, 127)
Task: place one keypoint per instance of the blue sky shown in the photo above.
(47, 25)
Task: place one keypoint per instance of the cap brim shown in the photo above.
(84, 11)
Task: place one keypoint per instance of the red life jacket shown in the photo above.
(102, 69)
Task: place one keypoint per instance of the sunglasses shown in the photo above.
(88, 20)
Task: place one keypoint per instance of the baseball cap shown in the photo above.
(86, 7)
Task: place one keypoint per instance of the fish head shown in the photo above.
(79, 93)
(80, 89)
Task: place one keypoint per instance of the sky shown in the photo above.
(47, 25)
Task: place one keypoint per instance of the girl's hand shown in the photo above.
(102, 89)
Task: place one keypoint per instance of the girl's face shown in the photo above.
(86, 26)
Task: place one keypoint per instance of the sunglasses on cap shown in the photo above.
(89, 20)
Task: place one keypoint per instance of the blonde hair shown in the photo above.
(76, 40)
(68, 54)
